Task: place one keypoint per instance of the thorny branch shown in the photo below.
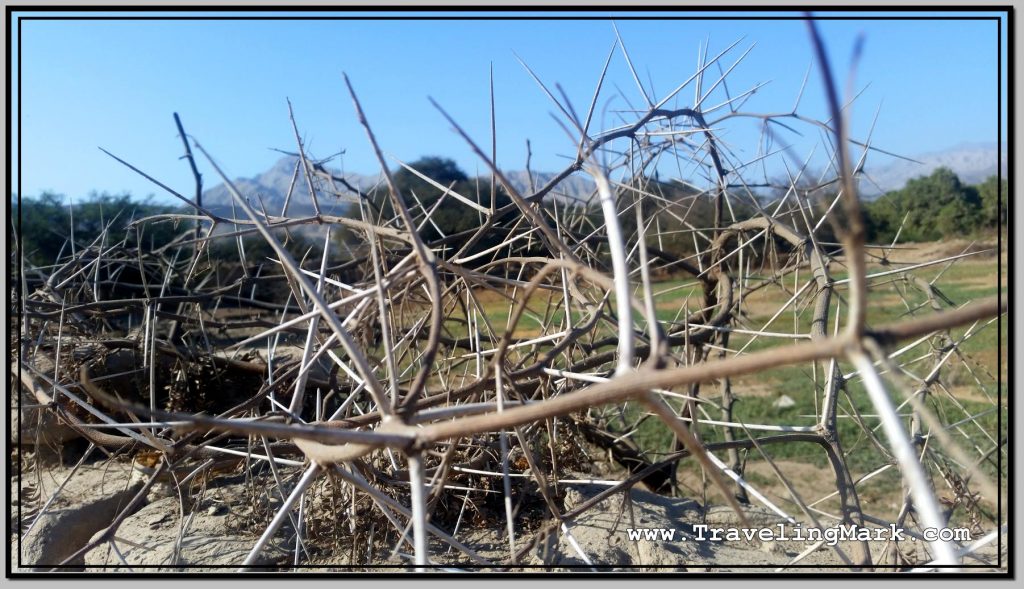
(412, 377)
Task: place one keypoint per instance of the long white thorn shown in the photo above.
(419, 512)
(945, 552)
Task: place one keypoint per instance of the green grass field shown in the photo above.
(965, 393)
(966, 390)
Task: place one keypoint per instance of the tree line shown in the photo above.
(925, 209)
(936, 206)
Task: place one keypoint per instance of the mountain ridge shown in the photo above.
(270, 188)
(972, 162)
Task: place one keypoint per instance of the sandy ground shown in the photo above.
(203, 533)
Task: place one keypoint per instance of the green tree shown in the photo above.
(934, 206)
(46, 223)
(451, 219)
(993, 202)
(442, 170)
(450, 216)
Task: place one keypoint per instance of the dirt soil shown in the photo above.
(207, 531)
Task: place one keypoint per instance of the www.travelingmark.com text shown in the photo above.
(789, 533)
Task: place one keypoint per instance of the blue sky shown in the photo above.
(115, 84)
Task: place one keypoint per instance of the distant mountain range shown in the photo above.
(271, 187)
(972, 162)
